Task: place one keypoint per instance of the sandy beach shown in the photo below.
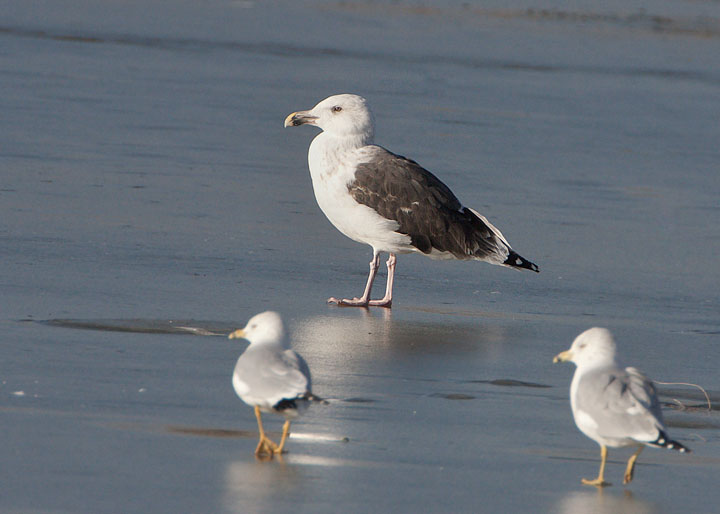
(151, 202)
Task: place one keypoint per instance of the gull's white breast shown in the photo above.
(332, 162)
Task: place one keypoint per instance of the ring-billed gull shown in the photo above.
(271, 377)
(614, 406)
(387, 201)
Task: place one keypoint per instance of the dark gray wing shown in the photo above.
(400, 189)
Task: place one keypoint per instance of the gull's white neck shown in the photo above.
(327, 152)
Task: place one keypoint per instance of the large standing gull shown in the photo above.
(270, 377)
(615, 407)
(387, 201)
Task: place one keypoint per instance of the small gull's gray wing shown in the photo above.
(400, 189)
(267, 376)
(622, 403)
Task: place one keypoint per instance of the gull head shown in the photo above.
(594, 347)
(266, 327)
(339, 115)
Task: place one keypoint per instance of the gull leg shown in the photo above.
(265, 445)
(600, 480)
(630, 469)
(386, 301)
(365, 298)
(286, 432)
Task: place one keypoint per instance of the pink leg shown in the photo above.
(386, 301)
(365, 298)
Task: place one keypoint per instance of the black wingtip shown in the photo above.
(517, 261)
(663, 441)
(312, 398)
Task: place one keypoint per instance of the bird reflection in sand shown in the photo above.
(252, 483)
(368, 335)
(603, 502)
(251, 486)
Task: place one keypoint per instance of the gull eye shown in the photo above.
(336, 109)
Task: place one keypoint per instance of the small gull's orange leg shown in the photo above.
(285, 433)
(630, 469)
(600, 480)
(265, 445)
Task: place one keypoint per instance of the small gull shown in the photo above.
(391, 203)
(615, 407)
(271, 377)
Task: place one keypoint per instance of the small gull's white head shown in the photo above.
(339, 115)
(594, 347)
(266, 327)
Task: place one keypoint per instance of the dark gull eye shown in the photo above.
(337, 108)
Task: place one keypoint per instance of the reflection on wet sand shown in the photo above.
(260, 486)
(257, 486)
(251, 485)
(603, 502)
(366, 333)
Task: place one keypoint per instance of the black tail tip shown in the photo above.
(517, 261)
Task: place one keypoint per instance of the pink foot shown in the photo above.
(385, 302)
(344, 302)
(359, 302)
(364, 300)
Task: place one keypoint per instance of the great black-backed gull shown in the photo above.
(270, 377)
(613, 406)
(376, 197)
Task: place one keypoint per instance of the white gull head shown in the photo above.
(593, 348)
(264, 328)
(339, 115)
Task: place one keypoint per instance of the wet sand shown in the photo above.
(151, 202)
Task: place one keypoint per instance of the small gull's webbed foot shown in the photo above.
(598, 482)
(265, 447)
